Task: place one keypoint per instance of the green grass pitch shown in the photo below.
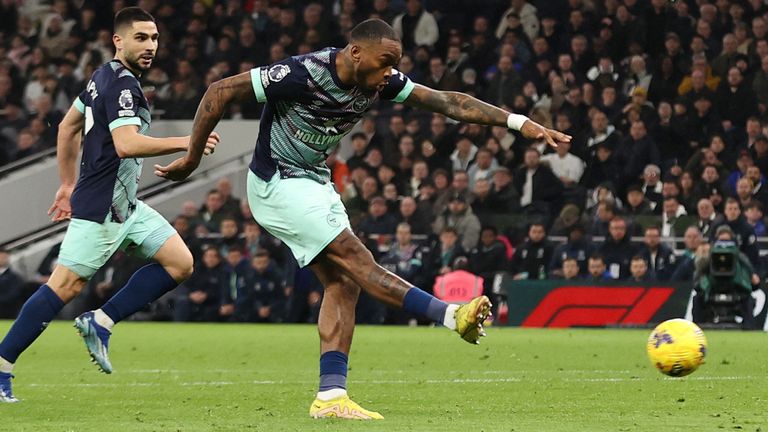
(189, 377)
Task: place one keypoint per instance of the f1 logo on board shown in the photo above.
(570, 306)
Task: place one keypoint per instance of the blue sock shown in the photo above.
(421, 303)
(38, 311)
(333, 370)
(148, 284)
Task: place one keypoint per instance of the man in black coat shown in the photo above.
(489, 257)
(532, 257)
(659, 257)
(504, 198)
(577, 247)
(263, 296)
(617, 249)
(200, 296)
(539, 188)
(636, 152)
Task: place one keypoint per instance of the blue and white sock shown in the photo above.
(419, 302)
(148, 284)
(38, 311)
(333, 375)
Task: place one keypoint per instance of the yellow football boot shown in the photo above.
(341, 407)
(470, 317)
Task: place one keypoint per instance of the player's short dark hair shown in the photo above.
(753, 205)
(638, 258)
(373, 30)
(570, 258)
(128, 16)
(261, 253)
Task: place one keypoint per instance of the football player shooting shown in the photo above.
(113, 116)
(311, 102)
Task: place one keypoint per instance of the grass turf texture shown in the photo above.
(189, 377)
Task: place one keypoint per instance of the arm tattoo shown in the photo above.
(458, 106)
(215, 101)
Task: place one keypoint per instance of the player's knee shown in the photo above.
(67, 290)
(181, 269)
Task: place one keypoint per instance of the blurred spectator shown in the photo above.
(460, 216)
(635, 152)
(234, 287)
(576, 247)
(659, 258)
(537, 184)
(441, 79)
(754, 215)
(11, 287)
(378, 220)
(405, 258)
(230, 204)
(410, 213)
(230, 236)
(532, 257)
(735, 101)
(637, 204)
(464, 154)
(504, 84)
(671, 211)
(603, 217)
(489, 256)
(444, 253)
(199, 298)
(598, 271)
(482, 167)
(211, 214)
(617, 249)
(569, 269)
(504, 198)
(684, 271)
(566, 166)
(639, 270)
(416, 27)
(263, 297)
(708, 218)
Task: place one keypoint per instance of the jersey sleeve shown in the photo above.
(79, 102)
(121, 103)
(398, 88)
(284, 80)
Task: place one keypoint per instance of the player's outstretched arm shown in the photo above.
(465, 108)
(67, 148)
(129, 143)
(217, 98)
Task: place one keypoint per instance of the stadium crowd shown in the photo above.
(666, 103)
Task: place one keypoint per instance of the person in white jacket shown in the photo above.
(416, 27)
(528, 17)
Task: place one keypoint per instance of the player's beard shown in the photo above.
(135, 63)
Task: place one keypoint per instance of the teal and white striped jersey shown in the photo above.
(308, 110)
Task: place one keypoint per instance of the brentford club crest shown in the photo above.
(360, 104)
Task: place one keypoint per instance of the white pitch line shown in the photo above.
(409, 382)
